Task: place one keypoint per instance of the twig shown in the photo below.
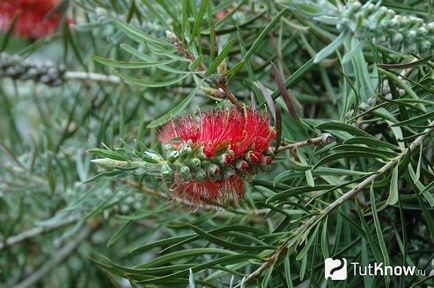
(410, 64)
(347, 196)
(60, 256)
(37, 231)
(78, 75)
(325, 138)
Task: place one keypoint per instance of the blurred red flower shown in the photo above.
(228, 145)
(34, 17)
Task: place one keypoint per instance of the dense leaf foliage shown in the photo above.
(339, 99)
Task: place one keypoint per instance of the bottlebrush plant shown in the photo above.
(216, 144)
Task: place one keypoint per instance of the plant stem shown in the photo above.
(78, 75)
(347, 196)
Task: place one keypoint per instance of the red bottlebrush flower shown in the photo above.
(33, 17)
(209, 155)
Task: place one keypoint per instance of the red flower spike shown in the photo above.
(34, 19)
(225, 138)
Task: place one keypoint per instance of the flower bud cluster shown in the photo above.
(209, 157)
(191, 163)
(407, 34)
(41, 72)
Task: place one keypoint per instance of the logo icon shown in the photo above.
(335, 269)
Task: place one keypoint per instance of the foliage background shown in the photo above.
(367, 196)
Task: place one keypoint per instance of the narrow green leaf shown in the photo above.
(175, 111)
(296, 191)
(378, 228)
(325, 239)
(193, 65)
(108, 154)
(334, 125)
(9, 32)
(158, 15)
(115, 237)
(167, 258)
(198, 20)
(370, 141)
(226, 244)
(149, 84)
(305, 250)
(220, 58)
(393, 191)
(349, 154)
(139, 36)
(130, 65)
(256, 44)
(418, 119)
(331, 48)
(306, 67)
(373, 243)
(287, 267)
(348, 147)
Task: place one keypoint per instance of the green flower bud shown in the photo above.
(166, 171)
(422, 31)
(411, 35)
(168, 147)
(396, 39)
(185, 173)
(200, 175)
(186, 150)
(229, 172)
(424, 46)
(213, 170)
(370, 9)
(173, 155)
(194, 163)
